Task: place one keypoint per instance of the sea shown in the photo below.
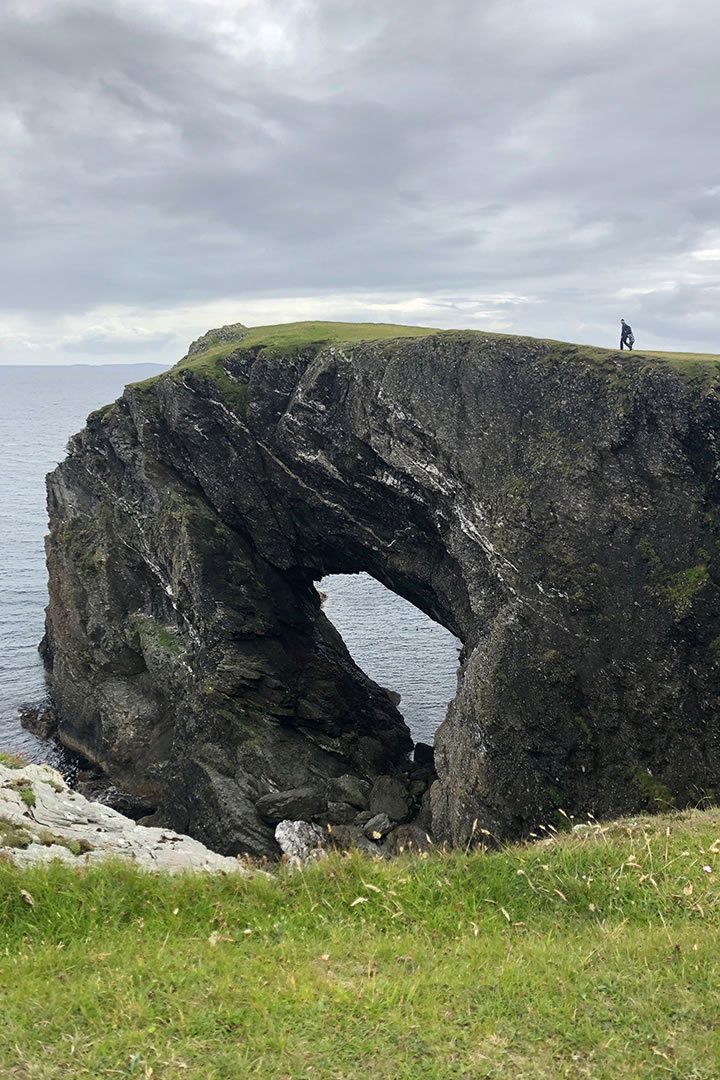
(40, 408)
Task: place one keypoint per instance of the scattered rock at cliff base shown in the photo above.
(350, 789)
(42, 819)
(408, 840)
(295, 804)
(423, 754)
(351, 838)
(379, 838)
(389, 796)
(300, 841)
(40, 720)
(341, 814)
(377, 826)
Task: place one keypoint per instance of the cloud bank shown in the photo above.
(536, 168)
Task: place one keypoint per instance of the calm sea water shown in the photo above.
(397, 646)
(40, 408)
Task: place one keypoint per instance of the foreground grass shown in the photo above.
(590, 955)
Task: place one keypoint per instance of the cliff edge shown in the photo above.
(556, 507)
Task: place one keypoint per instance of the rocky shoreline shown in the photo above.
(43, 819)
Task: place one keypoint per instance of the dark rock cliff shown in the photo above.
(555, 507)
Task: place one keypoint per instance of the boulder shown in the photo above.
(424, 754)
(350, 789)
(408, 840)
(350, 838)
(389, 796)
(340, 813)
(295, 804)
(377, 826)
(300, 841)
(40, 720)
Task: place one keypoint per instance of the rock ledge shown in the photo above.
(42, 819)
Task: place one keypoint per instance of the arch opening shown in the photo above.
(397, 645)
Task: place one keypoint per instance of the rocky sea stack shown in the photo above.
(556, 507)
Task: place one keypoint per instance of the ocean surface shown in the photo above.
(397, 646)
(40, 408)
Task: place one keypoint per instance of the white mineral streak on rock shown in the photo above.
(393, 481)
(60, 814)
(423, 472)
(317, 457)
(551, 591)
(342, 510)
(471, 530)
(232, 417)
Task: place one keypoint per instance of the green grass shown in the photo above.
(12, 761)
(303, 334)
(24, 788)
(587, 955)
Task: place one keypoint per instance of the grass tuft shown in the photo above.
(24, 788)
(12, 761)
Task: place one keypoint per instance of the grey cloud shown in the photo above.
(92, 345)
(396, 146)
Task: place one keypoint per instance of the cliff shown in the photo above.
(556, 507)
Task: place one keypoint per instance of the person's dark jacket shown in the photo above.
(626, 332)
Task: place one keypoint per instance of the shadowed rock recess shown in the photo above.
(556, 507)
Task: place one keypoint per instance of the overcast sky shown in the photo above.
(536, 167)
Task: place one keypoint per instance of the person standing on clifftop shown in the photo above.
(626, 336)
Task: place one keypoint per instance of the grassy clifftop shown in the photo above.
(307, 334)
(699, 368)
(589, 954)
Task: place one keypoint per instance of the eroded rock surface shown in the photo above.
(42, 819)
(300, 842)
(556, 508)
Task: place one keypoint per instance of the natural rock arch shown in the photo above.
(554, 507)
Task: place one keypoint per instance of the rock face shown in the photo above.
(41, 819)
(558, 509)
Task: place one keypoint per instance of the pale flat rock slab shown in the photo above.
(60, 815)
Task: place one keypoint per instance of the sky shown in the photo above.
(542, 168)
